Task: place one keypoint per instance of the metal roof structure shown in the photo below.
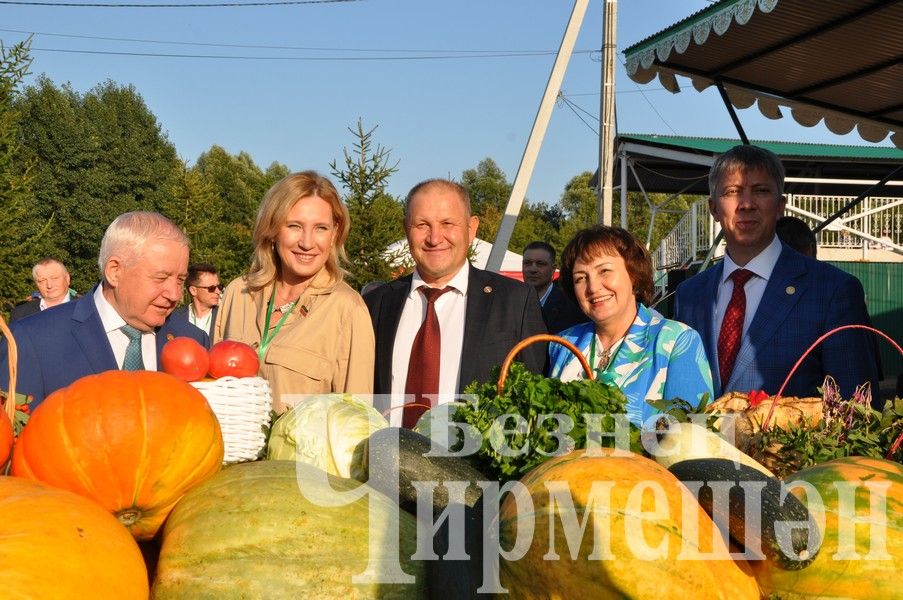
(674, 164)
(840, 61)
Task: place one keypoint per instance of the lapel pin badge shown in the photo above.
(790, 290)
(169, 337)
(488, 289)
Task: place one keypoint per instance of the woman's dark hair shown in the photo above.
(593, 241)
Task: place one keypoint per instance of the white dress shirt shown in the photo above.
(119, 341)
(451, 308)
(761, 266)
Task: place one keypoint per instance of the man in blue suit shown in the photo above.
(144, 262)
(783, 302)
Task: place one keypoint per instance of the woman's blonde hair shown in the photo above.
(272, 215)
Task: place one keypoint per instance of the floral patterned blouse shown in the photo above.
(657, 359)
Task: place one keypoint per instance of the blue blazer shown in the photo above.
(804, 299)
(63, 344)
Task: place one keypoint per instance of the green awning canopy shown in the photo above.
(837, 61)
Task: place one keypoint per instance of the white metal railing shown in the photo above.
(684, 243)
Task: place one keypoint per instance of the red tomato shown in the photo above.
(184, 358)
(230, 357)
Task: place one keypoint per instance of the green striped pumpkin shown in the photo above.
(249, 533)
(854, 579)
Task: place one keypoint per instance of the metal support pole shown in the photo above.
(531, 152)
(731, 111)
(607, 115)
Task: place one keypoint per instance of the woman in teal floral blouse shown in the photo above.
(609, 274)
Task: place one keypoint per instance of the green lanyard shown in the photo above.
(266, 337)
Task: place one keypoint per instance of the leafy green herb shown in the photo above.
(533, 397)
(858, 430)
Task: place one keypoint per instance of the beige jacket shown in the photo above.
(331, 349)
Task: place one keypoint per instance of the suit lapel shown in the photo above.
(479, 301)
(389, 317)
(89, 334)
(705, 311)
(773, 309)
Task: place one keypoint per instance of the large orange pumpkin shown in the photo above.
(6, 438)
(56, 544)
(134, 442)
(638, 504)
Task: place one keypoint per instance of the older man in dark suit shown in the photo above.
(52, 280)
(123, 323)
(760, 308)
(448, 323)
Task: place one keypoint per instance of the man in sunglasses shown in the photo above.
(205, 290)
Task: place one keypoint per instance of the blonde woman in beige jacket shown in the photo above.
(312, 331)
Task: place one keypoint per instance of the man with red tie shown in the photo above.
(760, 308)
(448, 323)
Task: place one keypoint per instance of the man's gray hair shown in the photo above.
(129, 232)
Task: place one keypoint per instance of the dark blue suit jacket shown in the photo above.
(559, 312)
(58, 346)
(804, 299)
(500, 313)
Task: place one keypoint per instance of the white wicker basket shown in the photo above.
(242, 406)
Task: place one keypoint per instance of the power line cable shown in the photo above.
(176, 5)
(273, 47)
(570, 105)
(298, 58)
(652, 106)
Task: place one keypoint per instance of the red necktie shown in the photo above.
(732, 326)
(423, 368)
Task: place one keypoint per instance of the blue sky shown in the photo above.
(438, 116)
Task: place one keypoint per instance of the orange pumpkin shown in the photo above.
(6, 438)
(133, 441)
(56, 544)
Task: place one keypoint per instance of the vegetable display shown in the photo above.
(860, 502)
(132, 441)
(230, 357)
(250, 532)
(185, 358)
(324, 431)
(511, 448)
(6, 439)
(635, 539)
(56, 544)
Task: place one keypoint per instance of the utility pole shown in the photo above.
(540, 123)
(607, 113)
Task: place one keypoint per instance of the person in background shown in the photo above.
(795, 232)
(122, 324)
(558, 311)
(761, 308)
(448, 323)
(205, 290)
(52, 280)
(629, 345)
(311, 329)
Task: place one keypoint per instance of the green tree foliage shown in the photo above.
(97, 155)
(22, 235)
(489, 193)
(376, 217)
(225, 191)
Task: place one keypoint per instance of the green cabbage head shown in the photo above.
(324, 431)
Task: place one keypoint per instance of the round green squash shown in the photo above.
(248, 532)
(868, 577)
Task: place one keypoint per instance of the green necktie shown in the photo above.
(133, 361)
